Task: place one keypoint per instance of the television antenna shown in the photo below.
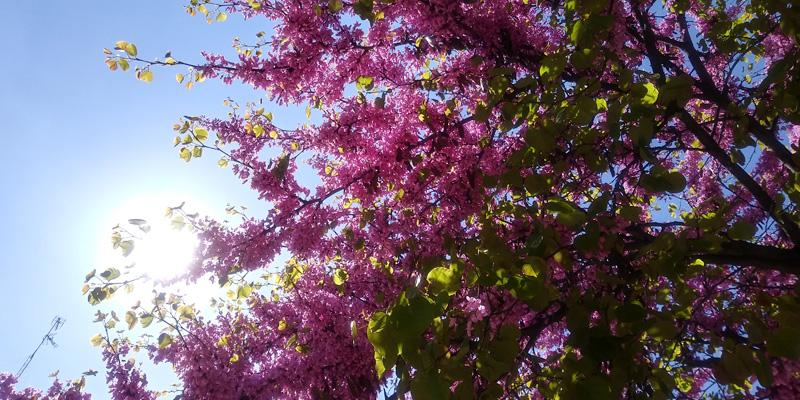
(57, 323)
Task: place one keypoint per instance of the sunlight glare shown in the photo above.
(164, 252)
(160, 251)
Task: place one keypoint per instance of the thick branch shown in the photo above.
(707, 86)
(762, 197)
(743, 253)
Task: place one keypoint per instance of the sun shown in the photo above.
(162, 247)
(164, 251)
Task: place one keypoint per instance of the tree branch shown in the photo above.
(762, 197)
(743, 253)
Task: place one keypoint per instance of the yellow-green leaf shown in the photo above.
(164, 340)
(221, 17)
(201, 133)
(365, 82)
(97, 340)
(130, 48)
(258, 130)
(146, 76)
(244, 291)
(340, 277)
(146, 320)
(186, 155)
(179, 78)
(130, 318)
(652, 94)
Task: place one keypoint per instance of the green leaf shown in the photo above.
(201, 133)
(534, 267)
(130, 48)
(244, 291)
(97, 340)
(642, 133)
(673, 182)
(763, 370)
(784, 343)
(146, 320)
(381, 335)
(412, 314)
(178, 222)
(536, 184)
(576, 32)
(164, 340)
(279, 171)
(631, 312)
(677, 88)
(185, 154)
(499, 356)
(96, 296)
(742, 230)
(363, 8)
(733, 367)
(365, 82)
(676, 182)
(110, 274)
(130, 319)
(566, 213)
(335, 5)
(630, 213)
(662, 329)
(127, 247)
(443, 279)
(146, 76)
(258, 130)
(340, 277)
(651, 95)
(599, 204)
(429, 386)
(552, 66)
(464, 391)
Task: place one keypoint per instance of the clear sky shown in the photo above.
(80, 143)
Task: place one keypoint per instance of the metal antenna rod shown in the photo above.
(58, 322)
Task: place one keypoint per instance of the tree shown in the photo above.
(518, 199)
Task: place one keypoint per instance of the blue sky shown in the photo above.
(79, 142)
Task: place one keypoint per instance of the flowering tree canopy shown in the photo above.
(516, 199)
